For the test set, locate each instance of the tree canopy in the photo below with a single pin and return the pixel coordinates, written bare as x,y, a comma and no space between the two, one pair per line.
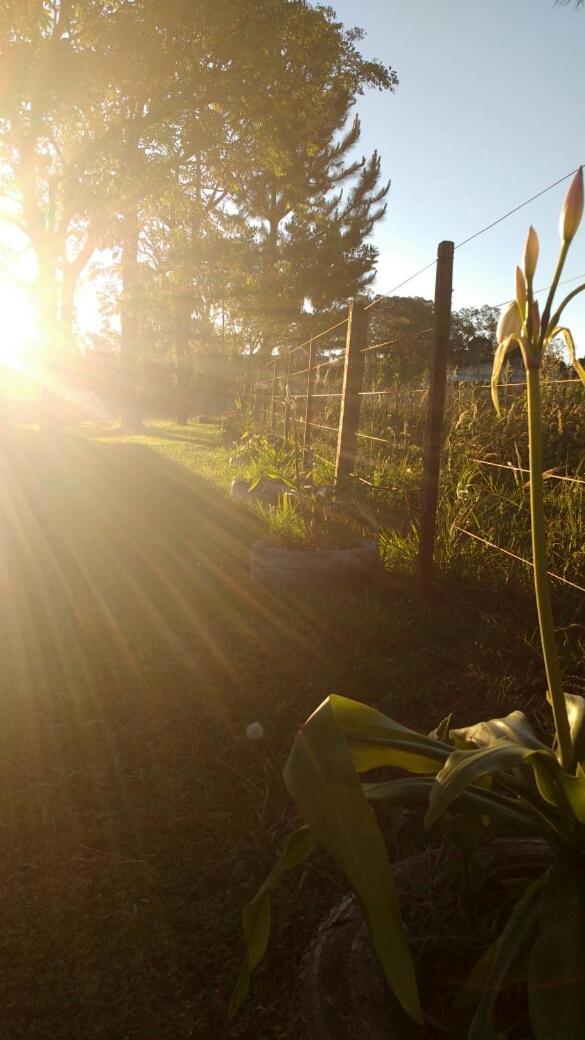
208,149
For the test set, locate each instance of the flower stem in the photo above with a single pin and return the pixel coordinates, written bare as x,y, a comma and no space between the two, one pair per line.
541,580
551,293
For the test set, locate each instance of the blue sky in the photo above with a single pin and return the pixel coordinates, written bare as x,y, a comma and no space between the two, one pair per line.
489,110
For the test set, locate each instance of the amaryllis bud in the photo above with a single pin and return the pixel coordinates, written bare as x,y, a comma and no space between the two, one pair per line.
521,290
510,323
572,210
530,255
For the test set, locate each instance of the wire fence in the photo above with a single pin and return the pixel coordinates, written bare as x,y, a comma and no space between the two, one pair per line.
343,396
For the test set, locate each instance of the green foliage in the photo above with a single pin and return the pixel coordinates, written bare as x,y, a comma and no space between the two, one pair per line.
509,772
544,800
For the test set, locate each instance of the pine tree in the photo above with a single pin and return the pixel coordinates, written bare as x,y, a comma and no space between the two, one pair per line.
311,206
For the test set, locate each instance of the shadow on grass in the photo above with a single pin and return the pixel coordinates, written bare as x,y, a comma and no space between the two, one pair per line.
137,817
135,649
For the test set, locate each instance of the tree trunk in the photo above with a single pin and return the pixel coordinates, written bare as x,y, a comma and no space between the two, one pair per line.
130,417
183,360
67,312
51,360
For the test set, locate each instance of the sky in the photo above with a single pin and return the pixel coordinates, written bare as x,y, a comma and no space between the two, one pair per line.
490,109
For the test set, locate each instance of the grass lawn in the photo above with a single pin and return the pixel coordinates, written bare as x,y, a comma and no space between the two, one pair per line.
136,816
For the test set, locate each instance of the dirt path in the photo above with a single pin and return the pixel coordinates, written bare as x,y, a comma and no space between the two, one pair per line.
136,816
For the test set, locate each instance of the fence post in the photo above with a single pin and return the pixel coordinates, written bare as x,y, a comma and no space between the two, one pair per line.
434,426
256,400
286,398
273,395
353,371
309,403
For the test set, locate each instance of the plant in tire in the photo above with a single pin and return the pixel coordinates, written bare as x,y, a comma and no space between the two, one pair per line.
497,770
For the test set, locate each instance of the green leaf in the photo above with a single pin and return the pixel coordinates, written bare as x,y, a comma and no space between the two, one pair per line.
256,916
514,938
377,740
467,767
413,792
321,777
570,344
556,984
443,730
514,727
271,476
576,713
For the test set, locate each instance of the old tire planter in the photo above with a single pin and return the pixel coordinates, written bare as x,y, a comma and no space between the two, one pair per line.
342,994
273,565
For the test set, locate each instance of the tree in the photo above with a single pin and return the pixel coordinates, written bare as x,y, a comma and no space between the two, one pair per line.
473,335
66,130
310,206
404,324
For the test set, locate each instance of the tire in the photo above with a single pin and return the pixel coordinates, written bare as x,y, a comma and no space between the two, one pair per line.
341,993
272,565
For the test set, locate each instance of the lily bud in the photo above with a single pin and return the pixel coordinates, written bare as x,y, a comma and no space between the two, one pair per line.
510,323
572,210
521,293
530,255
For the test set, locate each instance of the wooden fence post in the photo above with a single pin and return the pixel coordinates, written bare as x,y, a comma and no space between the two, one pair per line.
286,398
309,403
434,426
273,395
256,403
353,372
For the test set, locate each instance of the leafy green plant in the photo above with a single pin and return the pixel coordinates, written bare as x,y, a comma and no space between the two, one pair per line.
322,517
498,770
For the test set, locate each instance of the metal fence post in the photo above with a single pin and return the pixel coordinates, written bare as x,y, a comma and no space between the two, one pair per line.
434,424
353,372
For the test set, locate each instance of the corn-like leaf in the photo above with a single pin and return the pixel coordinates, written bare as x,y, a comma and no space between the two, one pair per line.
277,477
576,713
467,767
443,730
321,777
377,740
256,916
514,727
570,345
556,982
515,937
555,786
413,792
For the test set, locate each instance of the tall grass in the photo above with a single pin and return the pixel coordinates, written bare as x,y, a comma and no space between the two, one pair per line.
490,502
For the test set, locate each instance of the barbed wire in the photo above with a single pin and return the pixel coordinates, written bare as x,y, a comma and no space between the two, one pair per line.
476,234
511,468
515,556
427,267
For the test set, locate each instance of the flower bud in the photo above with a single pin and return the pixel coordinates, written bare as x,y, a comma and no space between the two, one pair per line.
521,293
510,323
530,255
572,210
